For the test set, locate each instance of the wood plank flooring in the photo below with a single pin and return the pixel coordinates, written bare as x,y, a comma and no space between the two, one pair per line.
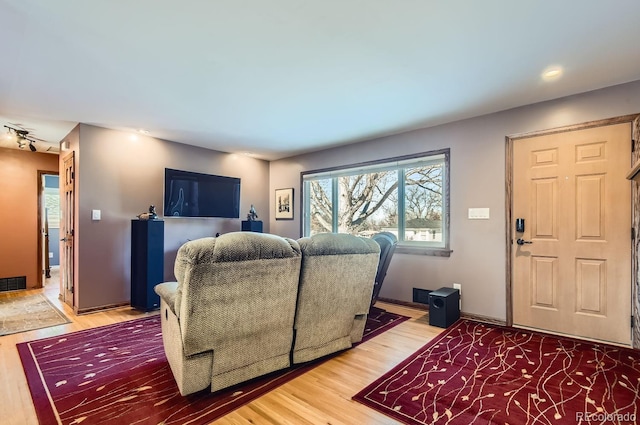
321,396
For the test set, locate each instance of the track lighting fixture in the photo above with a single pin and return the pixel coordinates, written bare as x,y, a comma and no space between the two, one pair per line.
21,137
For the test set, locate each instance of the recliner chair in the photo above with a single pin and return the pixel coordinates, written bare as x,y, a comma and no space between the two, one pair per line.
336,282
387,242
230,315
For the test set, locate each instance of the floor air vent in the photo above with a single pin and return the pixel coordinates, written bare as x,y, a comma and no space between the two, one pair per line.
13,283
421,296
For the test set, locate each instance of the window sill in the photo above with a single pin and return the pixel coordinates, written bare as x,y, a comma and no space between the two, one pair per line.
423,250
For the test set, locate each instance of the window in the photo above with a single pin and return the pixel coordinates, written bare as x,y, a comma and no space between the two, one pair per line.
407,196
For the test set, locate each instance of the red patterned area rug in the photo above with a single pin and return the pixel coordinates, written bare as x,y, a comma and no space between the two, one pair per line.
119,374
475,373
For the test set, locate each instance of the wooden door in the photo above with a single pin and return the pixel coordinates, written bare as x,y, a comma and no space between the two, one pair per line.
572,268
67,276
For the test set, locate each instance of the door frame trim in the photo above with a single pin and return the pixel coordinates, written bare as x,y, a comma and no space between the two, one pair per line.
509,142
64,293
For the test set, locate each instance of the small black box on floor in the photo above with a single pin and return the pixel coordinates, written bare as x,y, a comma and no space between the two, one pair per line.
252,226
444,307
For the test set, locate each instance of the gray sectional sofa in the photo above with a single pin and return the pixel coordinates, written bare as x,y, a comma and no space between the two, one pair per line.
246,304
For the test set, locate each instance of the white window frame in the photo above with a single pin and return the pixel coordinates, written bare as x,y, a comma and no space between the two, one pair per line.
399,164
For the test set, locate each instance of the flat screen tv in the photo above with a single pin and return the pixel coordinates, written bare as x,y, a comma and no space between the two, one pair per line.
188,194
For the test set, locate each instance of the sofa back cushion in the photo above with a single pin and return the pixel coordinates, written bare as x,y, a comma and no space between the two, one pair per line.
238,286
336,282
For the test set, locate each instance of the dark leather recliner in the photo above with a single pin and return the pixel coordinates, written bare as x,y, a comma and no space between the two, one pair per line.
387,242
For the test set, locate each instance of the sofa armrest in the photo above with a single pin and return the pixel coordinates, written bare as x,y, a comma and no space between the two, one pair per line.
168,291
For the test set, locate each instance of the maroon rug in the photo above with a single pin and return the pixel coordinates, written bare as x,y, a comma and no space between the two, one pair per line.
119,374
475,373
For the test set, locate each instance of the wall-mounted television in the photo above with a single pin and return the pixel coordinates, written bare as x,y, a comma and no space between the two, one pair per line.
189,194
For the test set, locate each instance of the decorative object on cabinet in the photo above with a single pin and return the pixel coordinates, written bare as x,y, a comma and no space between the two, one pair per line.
151,215
253,215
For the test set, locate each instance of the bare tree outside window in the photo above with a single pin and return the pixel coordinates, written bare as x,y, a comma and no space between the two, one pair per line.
320,206
423,203
362,201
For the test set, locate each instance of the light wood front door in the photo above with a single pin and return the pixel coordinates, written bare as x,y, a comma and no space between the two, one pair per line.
572,268
67,280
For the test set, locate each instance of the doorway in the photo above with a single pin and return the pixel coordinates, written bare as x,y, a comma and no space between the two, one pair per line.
48,225
569,260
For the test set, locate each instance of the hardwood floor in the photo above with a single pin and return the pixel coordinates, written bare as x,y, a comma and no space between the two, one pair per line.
321,396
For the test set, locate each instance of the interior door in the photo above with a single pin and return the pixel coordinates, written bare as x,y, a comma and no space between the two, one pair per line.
572,261
68,212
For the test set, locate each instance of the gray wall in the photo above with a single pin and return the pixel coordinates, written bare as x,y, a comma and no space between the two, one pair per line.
477,147
122,177
54,246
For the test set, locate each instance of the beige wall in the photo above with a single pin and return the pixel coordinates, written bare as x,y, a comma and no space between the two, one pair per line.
121,177
477,180
19,211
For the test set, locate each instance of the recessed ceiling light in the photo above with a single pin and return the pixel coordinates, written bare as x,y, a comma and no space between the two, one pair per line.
143,131
552,73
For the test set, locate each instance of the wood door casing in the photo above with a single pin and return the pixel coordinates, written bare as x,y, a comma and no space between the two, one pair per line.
67,276
635,212
575,277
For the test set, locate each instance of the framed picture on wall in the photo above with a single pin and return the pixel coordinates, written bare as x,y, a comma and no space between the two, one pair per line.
284,204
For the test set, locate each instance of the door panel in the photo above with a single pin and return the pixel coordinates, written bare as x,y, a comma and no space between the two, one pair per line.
590,207
544,282
575,276
591,286
545,200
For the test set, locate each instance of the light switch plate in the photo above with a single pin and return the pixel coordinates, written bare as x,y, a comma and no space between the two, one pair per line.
478,213
95,215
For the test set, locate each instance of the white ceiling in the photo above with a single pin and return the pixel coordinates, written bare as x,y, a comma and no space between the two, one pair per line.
282,77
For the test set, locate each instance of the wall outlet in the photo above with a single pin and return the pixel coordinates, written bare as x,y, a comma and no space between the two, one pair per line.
459,288
51,255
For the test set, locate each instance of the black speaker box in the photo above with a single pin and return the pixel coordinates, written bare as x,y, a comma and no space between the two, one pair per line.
147,262
444,307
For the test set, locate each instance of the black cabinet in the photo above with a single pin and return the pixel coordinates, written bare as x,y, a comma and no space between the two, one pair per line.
147,262
252,226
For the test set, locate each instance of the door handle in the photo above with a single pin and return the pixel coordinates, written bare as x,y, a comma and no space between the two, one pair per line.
521,241
63,240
